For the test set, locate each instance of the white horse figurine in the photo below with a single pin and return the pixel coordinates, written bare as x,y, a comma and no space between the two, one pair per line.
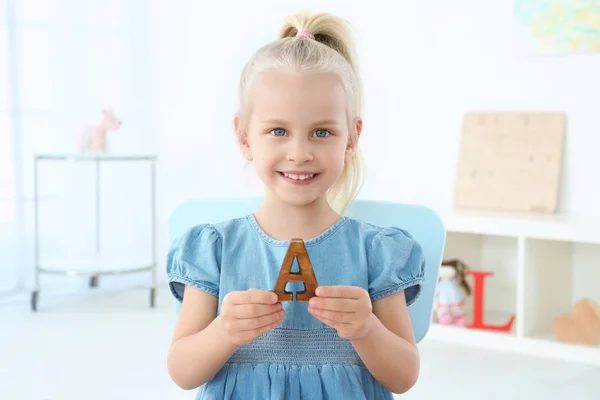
93,139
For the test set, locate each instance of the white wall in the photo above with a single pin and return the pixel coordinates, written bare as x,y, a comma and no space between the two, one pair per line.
424,64
66,60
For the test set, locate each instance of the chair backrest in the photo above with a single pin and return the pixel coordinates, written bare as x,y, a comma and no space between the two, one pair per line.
422,222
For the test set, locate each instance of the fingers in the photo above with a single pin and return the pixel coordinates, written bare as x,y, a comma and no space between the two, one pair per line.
339,326
348,292
243,311
266,328
346,328
330,322
345,331
244,331
333,304
251,324
248,314
334,316
254,296
247,337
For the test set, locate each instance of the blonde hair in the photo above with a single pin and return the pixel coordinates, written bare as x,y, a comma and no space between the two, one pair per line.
329,49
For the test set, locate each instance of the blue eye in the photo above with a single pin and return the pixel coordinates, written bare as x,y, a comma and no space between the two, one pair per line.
278,132
321,133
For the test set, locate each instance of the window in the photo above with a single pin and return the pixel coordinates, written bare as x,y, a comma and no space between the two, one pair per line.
7,173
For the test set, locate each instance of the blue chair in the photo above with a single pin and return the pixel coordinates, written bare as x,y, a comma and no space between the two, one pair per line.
422,222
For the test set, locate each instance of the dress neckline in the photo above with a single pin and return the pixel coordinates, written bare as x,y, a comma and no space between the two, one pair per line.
310,242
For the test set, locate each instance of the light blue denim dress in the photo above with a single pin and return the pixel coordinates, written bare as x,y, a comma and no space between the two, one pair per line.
302,358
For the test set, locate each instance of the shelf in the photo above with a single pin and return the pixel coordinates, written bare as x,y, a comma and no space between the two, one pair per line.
79,265
558,227
558,275
103,261
95,157
541,346
496,318
495,254
541,265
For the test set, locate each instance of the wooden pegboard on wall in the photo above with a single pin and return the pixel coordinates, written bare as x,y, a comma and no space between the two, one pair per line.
510,161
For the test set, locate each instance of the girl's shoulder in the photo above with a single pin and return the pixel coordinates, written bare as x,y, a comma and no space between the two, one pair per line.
395,260
370,233
385,241
203,233
194,257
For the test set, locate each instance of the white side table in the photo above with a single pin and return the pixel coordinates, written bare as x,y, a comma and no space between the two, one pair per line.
99,265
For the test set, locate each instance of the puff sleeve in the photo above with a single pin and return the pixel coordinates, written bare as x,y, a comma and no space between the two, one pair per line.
396,262
194,259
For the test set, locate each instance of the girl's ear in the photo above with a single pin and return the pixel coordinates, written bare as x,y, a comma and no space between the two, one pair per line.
358,125
241,137
350,149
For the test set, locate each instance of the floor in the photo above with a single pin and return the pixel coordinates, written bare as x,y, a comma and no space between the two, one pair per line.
111,345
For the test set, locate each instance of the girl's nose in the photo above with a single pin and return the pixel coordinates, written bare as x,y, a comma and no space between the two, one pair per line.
299,154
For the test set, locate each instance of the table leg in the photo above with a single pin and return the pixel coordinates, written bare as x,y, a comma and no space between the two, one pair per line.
94,278
153,219
36,249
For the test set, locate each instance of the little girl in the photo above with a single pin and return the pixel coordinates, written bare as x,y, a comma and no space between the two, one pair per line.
299,121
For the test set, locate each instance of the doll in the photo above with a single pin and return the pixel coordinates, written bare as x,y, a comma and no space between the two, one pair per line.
450,292
93,139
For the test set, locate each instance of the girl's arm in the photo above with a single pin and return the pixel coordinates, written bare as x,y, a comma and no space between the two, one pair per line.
389,349
203,341
199,348
380,332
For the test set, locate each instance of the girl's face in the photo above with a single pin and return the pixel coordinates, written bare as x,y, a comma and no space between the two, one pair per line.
297,134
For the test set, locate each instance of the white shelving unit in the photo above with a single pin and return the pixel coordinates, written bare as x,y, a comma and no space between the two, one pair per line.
97,264
542,264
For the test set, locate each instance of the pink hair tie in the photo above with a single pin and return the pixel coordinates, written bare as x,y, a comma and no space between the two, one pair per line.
305,33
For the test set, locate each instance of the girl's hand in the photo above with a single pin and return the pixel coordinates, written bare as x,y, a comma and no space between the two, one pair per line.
248,314
348,309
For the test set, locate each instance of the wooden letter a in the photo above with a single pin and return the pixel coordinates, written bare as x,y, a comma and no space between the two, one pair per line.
306,274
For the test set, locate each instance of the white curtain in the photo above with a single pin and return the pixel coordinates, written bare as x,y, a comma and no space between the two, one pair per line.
61,61
9,212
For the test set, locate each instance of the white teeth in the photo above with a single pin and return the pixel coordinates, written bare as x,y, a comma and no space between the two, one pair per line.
298,177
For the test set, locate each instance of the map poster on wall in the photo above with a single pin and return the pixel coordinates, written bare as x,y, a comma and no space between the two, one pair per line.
558,26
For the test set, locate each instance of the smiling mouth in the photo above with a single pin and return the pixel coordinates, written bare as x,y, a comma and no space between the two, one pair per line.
299,177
